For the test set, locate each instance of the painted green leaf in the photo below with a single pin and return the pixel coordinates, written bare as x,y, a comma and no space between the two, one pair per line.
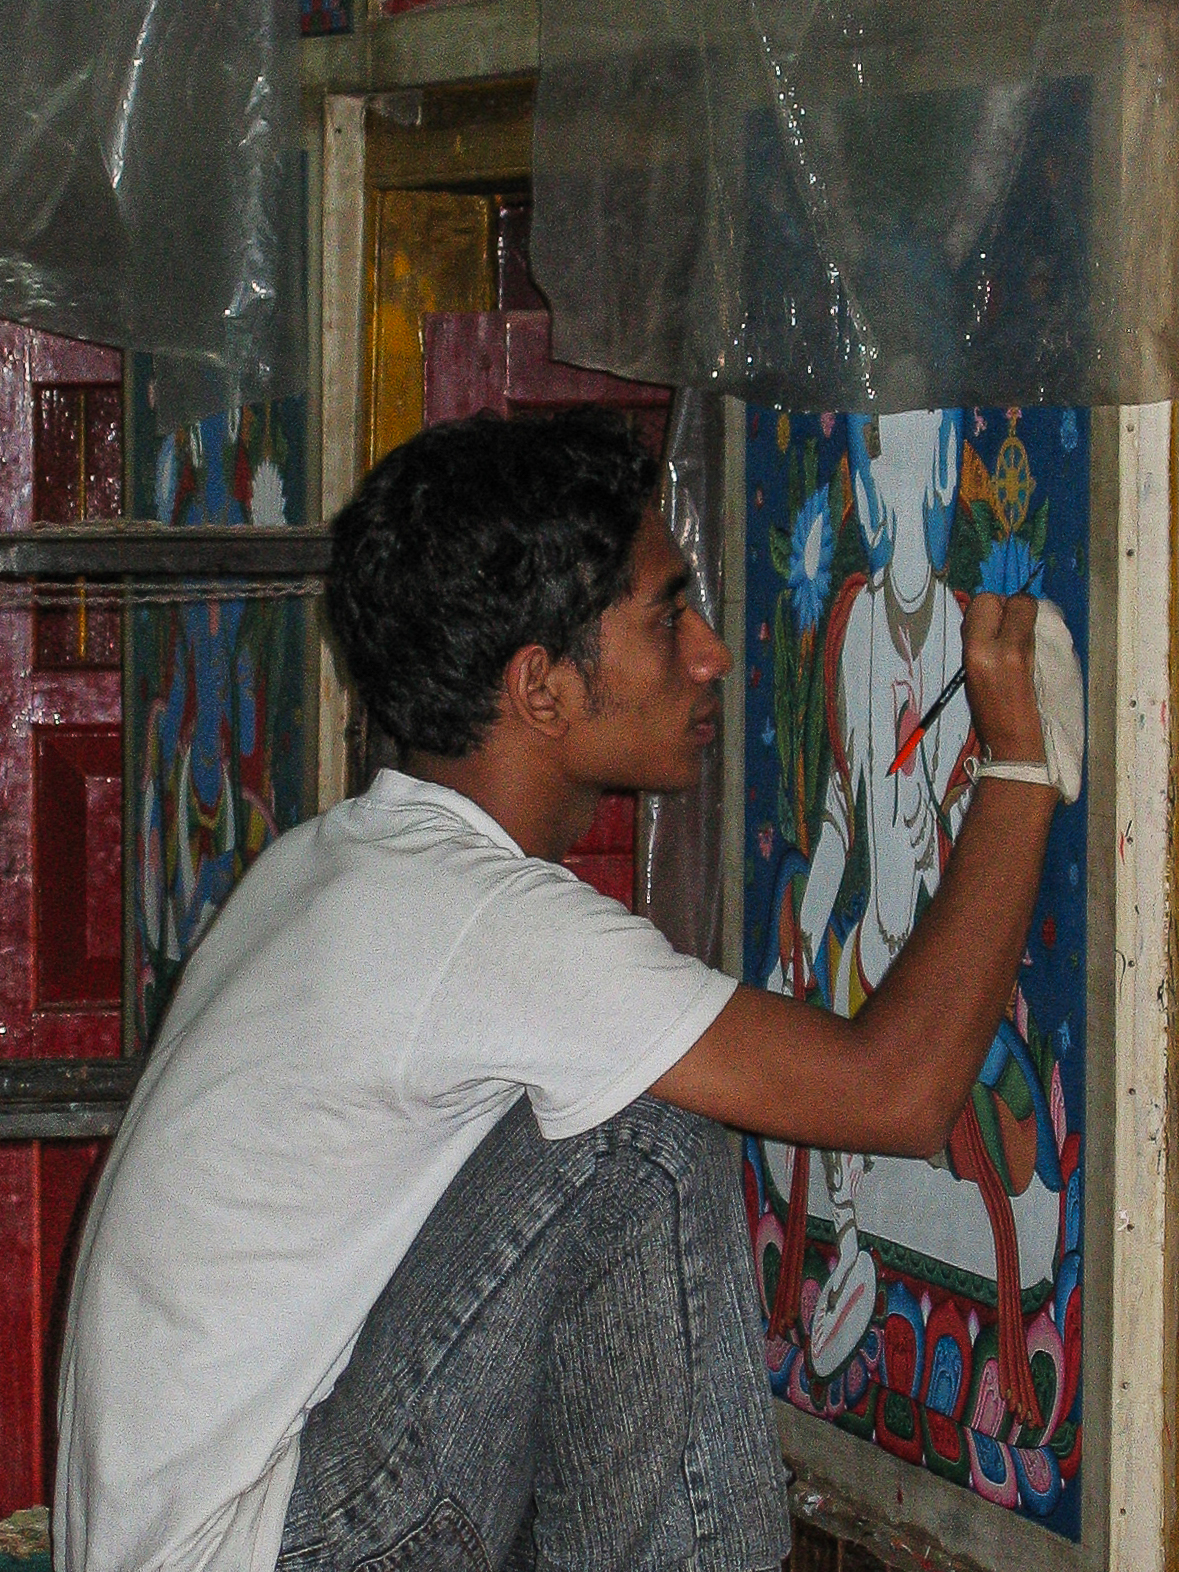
780,551
968,547
785,812
1040,1049
1064,1438
1013,1089
850,556
1038,532
816,748
810,465
793,485
987,524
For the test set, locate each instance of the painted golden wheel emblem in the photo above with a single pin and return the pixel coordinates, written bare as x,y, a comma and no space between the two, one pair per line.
1013,480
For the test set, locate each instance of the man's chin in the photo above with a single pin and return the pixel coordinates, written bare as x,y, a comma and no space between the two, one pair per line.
670,784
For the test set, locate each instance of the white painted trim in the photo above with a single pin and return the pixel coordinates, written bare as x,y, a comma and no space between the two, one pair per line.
1138,1457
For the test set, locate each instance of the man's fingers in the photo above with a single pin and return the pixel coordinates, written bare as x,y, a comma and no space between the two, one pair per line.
998,649
983,617
1008,619
1019,620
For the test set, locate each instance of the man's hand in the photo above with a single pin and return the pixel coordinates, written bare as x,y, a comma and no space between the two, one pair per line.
998,651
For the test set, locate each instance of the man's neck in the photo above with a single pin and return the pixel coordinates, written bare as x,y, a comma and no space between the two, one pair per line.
542,812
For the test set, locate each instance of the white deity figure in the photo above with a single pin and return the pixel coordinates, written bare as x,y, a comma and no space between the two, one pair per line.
902,643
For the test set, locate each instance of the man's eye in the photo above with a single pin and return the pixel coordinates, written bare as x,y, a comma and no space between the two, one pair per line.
674,613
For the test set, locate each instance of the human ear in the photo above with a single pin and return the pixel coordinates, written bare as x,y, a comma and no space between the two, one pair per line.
535,691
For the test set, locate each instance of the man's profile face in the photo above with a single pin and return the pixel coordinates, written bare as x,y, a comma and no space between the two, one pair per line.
650,706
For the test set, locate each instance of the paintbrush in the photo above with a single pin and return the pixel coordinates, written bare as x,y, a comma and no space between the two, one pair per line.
913,740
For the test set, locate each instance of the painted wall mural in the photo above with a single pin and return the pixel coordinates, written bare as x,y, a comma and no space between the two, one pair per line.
932,1309
217,713
320,17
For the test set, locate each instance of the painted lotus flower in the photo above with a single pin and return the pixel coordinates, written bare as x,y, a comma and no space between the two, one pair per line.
1008,567
812,547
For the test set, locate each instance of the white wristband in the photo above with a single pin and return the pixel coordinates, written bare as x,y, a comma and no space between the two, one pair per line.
1007,770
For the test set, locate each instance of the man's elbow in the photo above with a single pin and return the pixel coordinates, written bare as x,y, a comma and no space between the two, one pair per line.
934,1135
920,1123
913,1107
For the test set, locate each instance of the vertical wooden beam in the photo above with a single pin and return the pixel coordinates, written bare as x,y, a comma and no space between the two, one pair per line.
1141,1450
1140,237
1171,1237
342,302
733,630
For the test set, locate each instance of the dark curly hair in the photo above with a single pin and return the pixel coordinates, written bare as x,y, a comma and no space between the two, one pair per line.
472,540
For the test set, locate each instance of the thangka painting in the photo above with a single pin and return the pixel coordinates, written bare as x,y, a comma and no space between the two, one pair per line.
218,687
931,1308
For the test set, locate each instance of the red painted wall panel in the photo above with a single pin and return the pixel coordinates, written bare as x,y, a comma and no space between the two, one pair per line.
78,891
59,471
500,360
21,1478
605,855
104,452
60,879
515,290
77,453
77,635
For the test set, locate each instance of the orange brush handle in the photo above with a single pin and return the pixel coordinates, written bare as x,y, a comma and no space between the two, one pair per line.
907,749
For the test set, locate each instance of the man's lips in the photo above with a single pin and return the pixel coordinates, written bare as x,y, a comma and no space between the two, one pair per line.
704,722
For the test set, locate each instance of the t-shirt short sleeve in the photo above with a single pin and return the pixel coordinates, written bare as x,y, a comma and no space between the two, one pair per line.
563,991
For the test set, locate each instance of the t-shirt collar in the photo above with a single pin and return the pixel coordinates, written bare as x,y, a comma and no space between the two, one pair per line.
393,789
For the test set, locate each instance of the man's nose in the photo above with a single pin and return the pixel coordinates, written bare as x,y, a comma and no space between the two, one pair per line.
708,656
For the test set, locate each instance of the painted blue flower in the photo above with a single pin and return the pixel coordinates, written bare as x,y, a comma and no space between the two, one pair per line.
812,547
1009,566
768,734
1069,435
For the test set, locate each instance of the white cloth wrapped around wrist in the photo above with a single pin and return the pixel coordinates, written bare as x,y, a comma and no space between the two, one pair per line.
1060,699
1007,770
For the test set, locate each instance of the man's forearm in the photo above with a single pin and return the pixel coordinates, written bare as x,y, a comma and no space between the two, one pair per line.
929,1025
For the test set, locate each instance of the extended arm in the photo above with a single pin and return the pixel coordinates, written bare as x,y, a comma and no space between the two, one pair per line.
894,1078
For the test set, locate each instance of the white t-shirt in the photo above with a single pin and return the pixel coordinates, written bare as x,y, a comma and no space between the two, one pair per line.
372,999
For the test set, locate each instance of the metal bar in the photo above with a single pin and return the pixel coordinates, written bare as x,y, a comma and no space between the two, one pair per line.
48,1084
69,1121
135,549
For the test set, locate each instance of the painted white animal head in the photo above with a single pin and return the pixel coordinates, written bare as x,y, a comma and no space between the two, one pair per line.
905,470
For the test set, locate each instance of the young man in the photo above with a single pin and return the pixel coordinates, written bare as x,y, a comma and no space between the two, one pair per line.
340,1303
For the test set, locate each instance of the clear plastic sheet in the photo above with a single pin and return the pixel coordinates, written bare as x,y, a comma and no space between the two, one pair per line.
679,837
150,189
863,204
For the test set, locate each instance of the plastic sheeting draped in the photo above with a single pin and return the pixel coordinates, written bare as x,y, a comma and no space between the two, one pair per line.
149,194
858,204
677,880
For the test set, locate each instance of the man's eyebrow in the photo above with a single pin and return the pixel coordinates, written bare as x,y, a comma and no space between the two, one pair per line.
672,587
